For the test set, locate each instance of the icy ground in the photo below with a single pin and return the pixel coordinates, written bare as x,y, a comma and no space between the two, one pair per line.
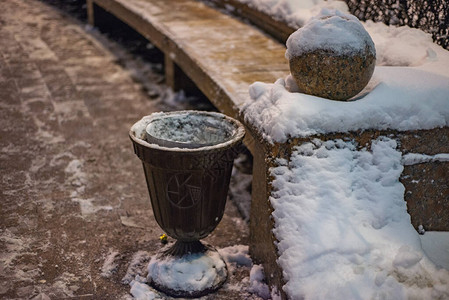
75,217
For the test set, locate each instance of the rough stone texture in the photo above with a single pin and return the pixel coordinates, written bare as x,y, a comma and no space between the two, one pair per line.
427,194
72,193
325,74
427,184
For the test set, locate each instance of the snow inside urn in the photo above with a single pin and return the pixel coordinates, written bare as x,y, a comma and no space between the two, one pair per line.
332,56
189,130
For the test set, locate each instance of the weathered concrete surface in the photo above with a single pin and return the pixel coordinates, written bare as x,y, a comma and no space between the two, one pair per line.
74,205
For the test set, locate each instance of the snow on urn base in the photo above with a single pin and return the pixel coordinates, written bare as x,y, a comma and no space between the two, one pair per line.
332,56
192,274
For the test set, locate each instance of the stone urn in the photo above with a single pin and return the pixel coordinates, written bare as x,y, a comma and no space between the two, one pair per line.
187,158
331,56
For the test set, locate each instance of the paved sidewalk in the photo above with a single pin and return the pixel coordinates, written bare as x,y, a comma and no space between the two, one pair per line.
74,208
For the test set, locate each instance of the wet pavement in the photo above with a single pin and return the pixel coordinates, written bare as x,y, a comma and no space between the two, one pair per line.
75,217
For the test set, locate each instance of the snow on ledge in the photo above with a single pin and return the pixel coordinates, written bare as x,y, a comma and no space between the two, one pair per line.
399,98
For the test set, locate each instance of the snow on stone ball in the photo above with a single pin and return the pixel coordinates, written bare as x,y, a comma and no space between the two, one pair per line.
332,56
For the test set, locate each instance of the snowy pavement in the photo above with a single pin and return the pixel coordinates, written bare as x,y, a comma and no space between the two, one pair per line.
75,217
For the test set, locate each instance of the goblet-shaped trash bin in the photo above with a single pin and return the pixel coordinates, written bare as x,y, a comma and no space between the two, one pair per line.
187,158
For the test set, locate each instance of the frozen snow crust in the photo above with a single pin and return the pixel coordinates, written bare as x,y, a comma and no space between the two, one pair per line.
191,128
341,219
333,30
178,130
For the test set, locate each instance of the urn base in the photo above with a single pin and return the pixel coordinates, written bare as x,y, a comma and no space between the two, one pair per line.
180,272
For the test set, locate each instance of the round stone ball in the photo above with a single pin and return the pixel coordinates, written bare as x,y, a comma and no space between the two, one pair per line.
332,56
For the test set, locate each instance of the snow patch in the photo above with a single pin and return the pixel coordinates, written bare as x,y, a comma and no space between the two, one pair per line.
136,266
110,264
142,291
421,101
401,46
190,273
88,208
191,129
340,218
78,179
436,246
234,130
257,284
275,294
237,254
238,261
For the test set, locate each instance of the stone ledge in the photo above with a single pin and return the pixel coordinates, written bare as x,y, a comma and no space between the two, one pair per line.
426,186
